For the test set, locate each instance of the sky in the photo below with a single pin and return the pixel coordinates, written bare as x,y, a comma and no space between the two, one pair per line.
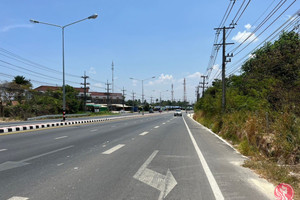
168,39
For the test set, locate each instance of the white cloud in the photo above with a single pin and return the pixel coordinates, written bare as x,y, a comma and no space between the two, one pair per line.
10,27
92,70
98,85
162,79
216,67
252,55
241,36
195,75
248,26
134,82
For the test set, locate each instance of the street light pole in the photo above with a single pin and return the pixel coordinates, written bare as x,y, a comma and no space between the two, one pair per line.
143,97
63,63
142,90
63,52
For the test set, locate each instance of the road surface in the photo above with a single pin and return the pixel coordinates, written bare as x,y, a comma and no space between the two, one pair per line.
150,157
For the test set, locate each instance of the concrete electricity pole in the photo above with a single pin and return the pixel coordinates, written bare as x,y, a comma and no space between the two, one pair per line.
224,64
107,95
112,78
85,89
123,97
133,101
203,84
172,93
197,92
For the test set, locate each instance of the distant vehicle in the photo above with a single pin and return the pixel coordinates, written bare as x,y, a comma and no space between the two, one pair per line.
122,111
151,111
177,112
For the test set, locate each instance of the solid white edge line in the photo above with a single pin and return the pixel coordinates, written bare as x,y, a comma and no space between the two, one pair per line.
211,179
115,148
61,137
144,133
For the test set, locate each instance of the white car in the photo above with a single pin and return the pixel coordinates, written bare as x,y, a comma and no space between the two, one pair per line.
177,112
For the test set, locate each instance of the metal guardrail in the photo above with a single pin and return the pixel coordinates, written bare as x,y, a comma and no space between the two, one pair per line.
55,116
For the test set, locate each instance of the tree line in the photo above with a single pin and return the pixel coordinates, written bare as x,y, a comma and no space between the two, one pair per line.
20,101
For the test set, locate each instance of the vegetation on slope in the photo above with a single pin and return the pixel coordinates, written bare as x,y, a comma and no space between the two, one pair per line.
262,116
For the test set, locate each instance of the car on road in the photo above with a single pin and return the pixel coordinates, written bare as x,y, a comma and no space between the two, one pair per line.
177,112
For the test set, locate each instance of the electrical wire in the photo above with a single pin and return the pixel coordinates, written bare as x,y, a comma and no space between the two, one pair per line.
266,28
277,31
278,6
34,64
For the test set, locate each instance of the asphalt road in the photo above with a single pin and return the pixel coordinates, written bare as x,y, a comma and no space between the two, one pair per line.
151,157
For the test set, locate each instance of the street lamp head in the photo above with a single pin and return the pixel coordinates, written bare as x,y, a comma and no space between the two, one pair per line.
34,21
94,16
153,76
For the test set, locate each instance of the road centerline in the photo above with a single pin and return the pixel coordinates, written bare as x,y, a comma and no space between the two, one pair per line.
211,179
58,138
115,148
144,133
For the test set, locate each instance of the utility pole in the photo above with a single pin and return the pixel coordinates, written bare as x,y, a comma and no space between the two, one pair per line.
85,89
203,84
224,64
123,97
112,76
133,101
107,95
151,100
172,92
197,92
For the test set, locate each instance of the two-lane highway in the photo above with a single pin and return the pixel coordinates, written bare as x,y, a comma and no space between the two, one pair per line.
150,157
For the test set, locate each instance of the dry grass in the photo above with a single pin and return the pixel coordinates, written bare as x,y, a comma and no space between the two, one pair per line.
267,142
276,174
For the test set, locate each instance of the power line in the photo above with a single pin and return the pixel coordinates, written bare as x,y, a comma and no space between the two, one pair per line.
33,64
267,27
37,73
278,30
277,7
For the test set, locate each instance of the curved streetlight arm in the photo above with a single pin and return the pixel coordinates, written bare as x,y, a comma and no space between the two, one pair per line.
90,17
38,22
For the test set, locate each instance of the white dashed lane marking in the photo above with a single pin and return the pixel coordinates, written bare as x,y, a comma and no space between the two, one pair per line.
156,127
58,138
94,130
18,198
115,148
3,150
144,133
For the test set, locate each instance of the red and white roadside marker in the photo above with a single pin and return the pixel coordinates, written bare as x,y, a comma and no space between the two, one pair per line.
284,191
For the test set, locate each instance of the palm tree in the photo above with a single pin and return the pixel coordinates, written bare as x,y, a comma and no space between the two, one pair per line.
21,80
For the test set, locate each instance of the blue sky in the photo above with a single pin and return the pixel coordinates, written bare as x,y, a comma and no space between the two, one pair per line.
169,39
